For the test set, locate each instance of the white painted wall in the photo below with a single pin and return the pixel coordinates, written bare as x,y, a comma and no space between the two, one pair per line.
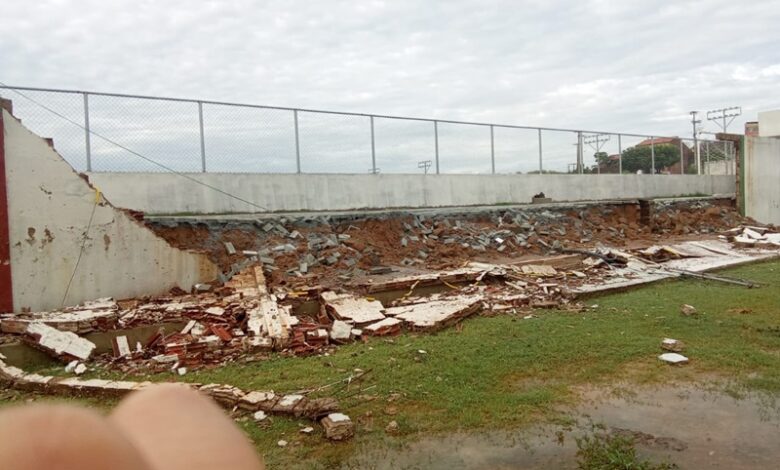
762,179
49,209
769,123
157,193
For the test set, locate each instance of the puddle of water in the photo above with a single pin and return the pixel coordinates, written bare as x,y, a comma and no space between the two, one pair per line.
27,357
691,427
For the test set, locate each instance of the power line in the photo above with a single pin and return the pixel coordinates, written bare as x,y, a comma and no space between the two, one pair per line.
721,116
133,152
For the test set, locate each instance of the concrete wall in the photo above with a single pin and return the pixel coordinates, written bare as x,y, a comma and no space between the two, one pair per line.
762,179
156,193
49,210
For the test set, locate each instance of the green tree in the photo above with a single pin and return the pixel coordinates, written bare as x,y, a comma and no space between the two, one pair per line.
640,157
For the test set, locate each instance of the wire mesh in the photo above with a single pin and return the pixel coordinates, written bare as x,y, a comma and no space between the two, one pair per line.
636,155
334,143
404,146
164,131
245,139
241,139
559,151
464,148
69,139
516,150
600,153
718,157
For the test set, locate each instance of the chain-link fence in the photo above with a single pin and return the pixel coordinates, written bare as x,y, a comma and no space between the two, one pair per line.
104,132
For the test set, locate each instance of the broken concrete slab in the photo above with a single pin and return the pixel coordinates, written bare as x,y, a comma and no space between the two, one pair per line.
387,327
538,270
59,343
673,358
437,313
352,309
340,331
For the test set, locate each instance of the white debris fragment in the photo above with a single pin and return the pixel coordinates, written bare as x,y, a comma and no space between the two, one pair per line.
259,415
282,443
338,417
307,430
688,310
121,346
60,342
353,309
188,327
673,358
752,234
80,369
181,370
340,331
71,366
673,345
338,427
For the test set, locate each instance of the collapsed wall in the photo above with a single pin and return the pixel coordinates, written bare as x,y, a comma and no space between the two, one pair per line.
58,226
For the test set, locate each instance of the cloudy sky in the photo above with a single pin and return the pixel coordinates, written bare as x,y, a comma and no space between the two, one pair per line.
631,66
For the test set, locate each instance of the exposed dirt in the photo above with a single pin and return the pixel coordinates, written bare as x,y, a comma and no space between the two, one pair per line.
334,251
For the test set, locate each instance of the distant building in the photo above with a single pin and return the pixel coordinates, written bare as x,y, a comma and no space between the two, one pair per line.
689,157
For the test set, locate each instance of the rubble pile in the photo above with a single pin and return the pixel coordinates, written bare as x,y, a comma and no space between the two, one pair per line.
334,250
230,397
249,316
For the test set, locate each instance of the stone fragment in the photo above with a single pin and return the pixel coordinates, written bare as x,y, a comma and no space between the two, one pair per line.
392,427
340,331
673,358
338,427
673,345
688,310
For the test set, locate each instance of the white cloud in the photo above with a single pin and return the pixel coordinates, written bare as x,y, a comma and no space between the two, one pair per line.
632,66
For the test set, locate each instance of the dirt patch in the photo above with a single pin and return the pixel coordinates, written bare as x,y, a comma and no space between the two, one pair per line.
329,251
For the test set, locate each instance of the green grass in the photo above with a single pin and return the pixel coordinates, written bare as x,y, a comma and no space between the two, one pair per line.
600,452
504,372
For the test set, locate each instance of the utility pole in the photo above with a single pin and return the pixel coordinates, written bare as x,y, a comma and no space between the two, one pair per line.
724,116
694,122
596,141
424,164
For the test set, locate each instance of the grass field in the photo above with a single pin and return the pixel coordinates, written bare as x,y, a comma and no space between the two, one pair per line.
504,371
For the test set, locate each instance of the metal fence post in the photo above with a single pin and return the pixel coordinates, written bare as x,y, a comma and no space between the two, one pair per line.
86,132
492,152
541,168
202,138
297,143
620,154
682,159
436,139
373,148
652,155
